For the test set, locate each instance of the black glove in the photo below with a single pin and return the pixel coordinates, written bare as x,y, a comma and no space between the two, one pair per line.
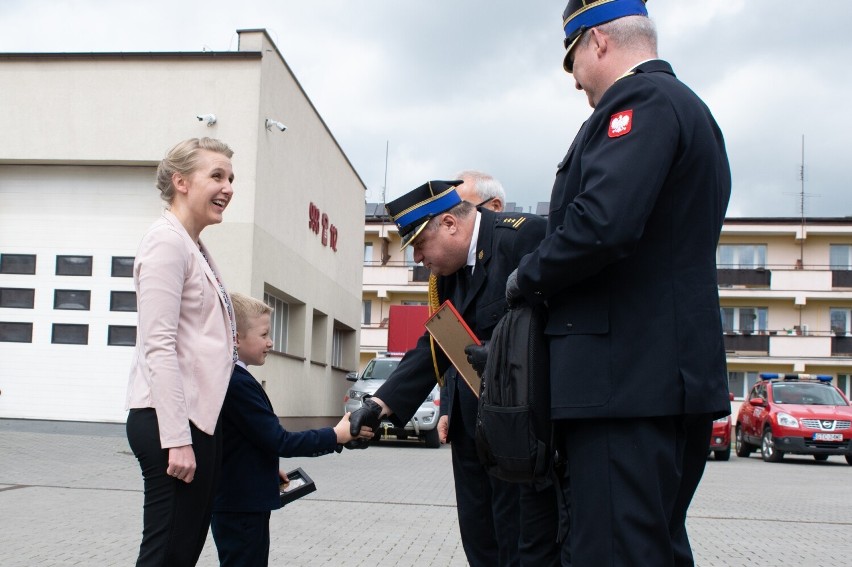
369,414
477,356
513,292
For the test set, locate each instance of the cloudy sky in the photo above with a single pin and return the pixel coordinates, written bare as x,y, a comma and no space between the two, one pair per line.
454,84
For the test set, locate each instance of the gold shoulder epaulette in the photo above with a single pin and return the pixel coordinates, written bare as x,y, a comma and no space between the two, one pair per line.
514,222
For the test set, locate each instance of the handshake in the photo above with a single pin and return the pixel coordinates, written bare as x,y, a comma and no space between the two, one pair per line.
368,415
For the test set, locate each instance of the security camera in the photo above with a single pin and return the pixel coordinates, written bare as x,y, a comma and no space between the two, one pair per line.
270,123
209,118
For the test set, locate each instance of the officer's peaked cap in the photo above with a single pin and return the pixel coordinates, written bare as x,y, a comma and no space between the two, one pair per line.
581,15
412,212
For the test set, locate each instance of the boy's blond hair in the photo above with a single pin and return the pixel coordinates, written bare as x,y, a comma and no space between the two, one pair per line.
247,308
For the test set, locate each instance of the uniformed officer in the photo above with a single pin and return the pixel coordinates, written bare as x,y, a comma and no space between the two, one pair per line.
471,251
628,274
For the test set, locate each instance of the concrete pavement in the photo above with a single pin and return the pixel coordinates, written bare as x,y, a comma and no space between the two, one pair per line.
71,494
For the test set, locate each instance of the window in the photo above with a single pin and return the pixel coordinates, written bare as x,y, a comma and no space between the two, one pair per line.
368,253
337,348
739,383
279,319
73,265
16,332
122,266
741,256
72,299
122,301
744,320
366,312
70,334
118,335
410,302
840,256
840,318
17,264
17,298
844,381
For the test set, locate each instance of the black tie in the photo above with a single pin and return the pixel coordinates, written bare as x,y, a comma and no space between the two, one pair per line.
464,278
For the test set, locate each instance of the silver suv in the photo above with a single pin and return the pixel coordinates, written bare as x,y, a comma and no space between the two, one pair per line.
423,425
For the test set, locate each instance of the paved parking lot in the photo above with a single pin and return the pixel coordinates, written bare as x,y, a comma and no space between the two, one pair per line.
70,494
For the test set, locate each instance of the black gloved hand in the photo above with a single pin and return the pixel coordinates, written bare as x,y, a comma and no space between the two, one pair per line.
477,356
357,444
369,415
513,292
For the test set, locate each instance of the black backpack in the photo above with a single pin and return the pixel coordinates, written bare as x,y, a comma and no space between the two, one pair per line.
514,436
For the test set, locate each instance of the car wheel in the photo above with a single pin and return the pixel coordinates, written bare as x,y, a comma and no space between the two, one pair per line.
743,449
820,457
402,435
767,447
432,439
723,455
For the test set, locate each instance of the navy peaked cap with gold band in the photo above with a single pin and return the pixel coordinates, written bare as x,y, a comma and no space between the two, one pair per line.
581,15
415,209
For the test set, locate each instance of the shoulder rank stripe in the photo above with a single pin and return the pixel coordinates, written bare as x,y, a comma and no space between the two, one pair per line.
516,222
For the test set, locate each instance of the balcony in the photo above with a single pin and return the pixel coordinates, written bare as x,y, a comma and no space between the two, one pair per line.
798,342
751,277
841,278
841,345
747,343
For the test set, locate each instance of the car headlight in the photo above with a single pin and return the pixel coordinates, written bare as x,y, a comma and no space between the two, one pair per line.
722,419
787,420
356,395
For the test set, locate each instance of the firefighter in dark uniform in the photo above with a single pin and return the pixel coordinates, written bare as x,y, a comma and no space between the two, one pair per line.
628,274
471,251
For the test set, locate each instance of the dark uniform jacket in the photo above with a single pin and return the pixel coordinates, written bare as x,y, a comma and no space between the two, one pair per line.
628,266
253,439
503,239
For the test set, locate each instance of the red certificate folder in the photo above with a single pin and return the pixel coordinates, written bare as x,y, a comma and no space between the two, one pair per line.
452,334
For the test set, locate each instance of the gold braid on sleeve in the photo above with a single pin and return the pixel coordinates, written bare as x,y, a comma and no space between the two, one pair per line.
434,304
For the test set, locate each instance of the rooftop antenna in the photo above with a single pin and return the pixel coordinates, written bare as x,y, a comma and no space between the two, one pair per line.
385,186
802,206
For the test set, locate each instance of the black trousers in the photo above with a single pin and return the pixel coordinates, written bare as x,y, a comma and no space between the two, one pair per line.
488,508
631,484
543,512
176,515
242,538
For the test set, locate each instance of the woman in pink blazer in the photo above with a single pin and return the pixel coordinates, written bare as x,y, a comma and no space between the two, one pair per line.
184,355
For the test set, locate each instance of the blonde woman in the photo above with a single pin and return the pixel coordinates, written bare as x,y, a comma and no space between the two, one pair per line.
185,352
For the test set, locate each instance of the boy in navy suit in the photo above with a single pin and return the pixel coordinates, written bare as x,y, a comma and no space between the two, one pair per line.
253,439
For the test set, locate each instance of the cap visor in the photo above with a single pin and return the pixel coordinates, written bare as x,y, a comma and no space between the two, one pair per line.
569,68
409,238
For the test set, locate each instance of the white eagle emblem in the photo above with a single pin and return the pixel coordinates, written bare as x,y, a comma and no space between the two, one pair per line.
619,123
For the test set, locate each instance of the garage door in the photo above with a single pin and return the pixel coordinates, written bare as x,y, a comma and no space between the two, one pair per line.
68,235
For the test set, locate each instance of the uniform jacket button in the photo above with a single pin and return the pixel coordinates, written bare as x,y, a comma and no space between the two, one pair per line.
569,325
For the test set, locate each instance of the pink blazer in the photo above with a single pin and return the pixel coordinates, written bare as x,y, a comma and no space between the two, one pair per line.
184,345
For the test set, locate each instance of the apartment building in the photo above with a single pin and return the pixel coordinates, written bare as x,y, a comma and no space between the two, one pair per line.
785,289
785,286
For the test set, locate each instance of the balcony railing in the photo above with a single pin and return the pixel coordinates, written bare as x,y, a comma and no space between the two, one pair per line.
841,346
841,278
747,277
747,342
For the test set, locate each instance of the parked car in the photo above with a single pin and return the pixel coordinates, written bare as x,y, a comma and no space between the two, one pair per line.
720,439
423,425
796,414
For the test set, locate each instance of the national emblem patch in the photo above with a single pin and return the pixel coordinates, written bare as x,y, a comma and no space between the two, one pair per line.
620,123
